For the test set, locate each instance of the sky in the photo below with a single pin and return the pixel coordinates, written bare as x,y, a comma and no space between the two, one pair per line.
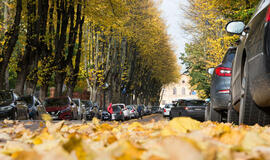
172,14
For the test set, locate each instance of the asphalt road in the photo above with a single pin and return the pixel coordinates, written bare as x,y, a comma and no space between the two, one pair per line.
36,124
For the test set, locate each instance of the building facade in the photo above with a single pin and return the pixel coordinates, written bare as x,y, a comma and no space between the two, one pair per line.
175,91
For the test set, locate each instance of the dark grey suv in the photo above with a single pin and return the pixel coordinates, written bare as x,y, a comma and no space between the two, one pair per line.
220,88
250,85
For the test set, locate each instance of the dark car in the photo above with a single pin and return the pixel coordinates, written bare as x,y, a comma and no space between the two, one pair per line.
88,109
61,108
12,107
193,108
220,88
250,85
35,107
105,115
155,109
117,115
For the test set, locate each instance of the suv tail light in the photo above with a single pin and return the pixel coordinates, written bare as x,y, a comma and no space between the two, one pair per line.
225,91
223,71
186,108
164,110
267,18
120,112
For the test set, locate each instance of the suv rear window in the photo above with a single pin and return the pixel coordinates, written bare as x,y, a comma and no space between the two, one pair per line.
116,108
229,55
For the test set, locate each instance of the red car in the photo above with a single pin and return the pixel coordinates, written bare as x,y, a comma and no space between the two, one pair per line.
61,108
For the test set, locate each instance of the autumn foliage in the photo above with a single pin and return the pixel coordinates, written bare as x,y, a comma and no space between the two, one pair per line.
117,46
180,138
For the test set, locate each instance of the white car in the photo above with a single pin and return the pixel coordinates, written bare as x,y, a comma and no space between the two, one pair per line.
124,110
132,111
167,110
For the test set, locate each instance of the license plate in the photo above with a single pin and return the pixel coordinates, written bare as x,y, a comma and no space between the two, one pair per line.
54,117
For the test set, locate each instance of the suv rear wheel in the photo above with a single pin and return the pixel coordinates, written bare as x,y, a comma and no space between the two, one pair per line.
232,116
214,115
250,113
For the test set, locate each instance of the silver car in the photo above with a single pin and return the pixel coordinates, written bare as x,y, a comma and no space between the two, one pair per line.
132,111
167,110
81,108
124,110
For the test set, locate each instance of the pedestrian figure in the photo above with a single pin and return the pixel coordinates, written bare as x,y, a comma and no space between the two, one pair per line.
140,108
110,110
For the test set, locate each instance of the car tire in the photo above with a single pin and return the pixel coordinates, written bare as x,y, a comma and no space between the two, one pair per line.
250,113
232,116
214,115
207,113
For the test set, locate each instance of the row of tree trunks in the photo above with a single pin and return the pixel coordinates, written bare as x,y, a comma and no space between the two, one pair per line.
11,38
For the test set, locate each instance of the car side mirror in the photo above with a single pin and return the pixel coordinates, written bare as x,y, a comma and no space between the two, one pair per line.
235,27
72,103
210,70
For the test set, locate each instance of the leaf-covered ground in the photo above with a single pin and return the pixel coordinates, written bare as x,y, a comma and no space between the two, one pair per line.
180,138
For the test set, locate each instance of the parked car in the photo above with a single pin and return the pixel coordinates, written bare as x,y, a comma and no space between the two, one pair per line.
88,109
132,111
193,108
81,108
124,110
167,109
155,109
220,88
105,115
250,85
147,110
61,108
117,113
12,107
35,107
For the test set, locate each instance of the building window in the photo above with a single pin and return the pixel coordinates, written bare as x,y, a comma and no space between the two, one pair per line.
174,91
183,82
183,91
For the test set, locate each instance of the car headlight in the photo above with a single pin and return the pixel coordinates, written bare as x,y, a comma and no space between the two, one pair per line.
6,108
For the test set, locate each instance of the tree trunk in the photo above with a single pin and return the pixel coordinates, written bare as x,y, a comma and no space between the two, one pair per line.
10,42
43,92
28,59
63,15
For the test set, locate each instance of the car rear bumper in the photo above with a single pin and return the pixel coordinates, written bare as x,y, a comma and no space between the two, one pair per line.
221,101
194,114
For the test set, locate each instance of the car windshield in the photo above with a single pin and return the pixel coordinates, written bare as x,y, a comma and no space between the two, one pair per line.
76,101
56,102
116,108
5,96
121,106
129,107
27,99
168,106
87,104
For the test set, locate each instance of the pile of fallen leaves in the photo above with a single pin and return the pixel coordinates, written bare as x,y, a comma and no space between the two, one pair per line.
180,138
